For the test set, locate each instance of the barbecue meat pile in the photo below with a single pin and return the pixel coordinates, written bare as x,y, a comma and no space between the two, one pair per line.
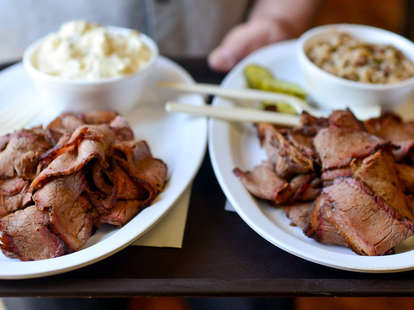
58,184
343,181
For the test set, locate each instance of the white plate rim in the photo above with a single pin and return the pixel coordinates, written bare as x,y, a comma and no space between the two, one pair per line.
246,207
104,249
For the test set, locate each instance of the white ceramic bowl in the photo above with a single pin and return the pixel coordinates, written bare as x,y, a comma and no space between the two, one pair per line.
334,92
119,93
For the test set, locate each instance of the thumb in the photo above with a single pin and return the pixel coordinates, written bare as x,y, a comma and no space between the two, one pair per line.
242,40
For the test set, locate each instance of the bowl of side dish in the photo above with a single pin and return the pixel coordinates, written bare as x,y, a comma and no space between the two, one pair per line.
85,66
355,66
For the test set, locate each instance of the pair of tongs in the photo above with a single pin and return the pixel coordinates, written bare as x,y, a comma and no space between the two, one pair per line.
241,114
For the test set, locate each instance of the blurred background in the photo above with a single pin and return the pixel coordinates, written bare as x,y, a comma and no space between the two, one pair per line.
197,28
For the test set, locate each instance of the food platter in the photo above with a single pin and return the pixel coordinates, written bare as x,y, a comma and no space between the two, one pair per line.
236,145
180,140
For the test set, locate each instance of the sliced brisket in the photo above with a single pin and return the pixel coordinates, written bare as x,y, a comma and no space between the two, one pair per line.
64,124
310,125
87,143
319,228
379,173
25,234
367,199
328,176
338,146
67,123
304,187
370,226
110,186
123,211
121,129
263,183
84,170
21,153
390,127
117,123
126,188
287,158
406,174
302,142
9,204
14,195
69,211
299,214
136,159
344,119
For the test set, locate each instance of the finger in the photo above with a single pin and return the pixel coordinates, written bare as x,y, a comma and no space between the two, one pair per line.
241,41
225,56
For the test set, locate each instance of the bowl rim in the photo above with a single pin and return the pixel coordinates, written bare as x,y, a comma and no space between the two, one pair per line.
306,36
28,53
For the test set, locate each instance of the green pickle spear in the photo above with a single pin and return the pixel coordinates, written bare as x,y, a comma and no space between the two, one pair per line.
258,77
255,74
281,107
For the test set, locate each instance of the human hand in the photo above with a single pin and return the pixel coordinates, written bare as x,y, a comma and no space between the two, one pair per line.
246,38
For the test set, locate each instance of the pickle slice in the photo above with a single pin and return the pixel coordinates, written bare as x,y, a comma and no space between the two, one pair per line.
281,107
255,74
258,77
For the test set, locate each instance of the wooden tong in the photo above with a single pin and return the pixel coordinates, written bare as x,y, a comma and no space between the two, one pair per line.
250,115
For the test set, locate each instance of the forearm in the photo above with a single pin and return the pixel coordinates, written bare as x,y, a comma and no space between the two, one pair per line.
294,15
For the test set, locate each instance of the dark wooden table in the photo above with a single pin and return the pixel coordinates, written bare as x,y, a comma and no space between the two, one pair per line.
221,256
